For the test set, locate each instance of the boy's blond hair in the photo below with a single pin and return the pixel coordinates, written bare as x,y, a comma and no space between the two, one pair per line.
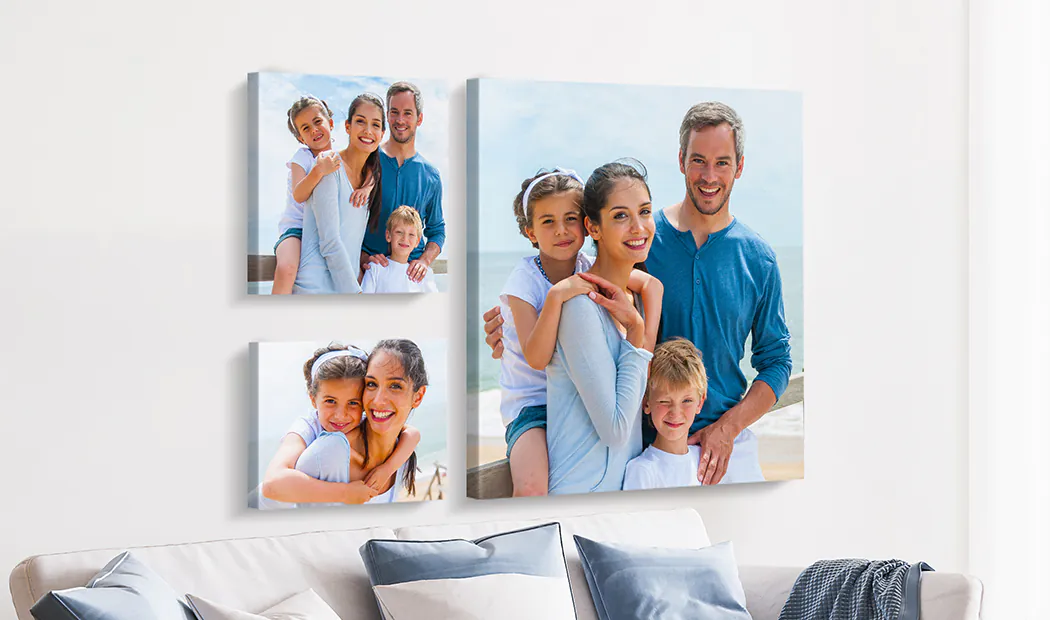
405,215
677,363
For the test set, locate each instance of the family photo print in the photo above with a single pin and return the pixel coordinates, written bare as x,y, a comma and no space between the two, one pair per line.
634,287
346,184
352,421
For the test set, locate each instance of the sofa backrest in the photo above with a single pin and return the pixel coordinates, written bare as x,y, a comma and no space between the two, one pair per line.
253,574
250,574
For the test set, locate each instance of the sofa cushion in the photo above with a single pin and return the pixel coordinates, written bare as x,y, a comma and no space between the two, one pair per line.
534,551
627,581
507,596
682,528
303,606
125,589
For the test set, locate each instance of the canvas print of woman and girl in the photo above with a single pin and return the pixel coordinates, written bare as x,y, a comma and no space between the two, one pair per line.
345,180
639,314
348,422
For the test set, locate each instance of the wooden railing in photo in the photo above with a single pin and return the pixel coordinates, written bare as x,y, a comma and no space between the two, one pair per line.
492,480
436,488
262,266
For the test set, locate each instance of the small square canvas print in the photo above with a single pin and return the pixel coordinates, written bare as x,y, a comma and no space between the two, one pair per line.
635,302
347,422
346,184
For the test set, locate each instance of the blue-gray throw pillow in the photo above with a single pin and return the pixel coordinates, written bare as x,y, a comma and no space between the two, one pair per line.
630,582
535,551
125,589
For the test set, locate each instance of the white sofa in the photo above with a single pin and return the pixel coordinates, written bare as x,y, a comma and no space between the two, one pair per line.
252,574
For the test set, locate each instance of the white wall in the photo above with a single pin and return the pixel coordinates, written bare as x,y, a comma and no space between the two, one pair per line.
1010,304
124,330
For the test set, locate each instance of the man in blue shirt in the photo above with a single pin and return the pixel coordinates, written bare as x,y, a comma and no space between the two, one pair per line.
721,283
407,179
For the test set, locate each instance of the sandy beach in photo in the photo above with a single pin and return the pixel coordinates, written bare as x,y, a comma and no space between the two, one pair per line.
432,480
780,438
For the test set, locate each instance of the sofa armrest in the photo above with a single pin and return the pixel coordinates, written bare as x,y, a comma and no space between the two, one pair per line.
947,596
767,589
943,596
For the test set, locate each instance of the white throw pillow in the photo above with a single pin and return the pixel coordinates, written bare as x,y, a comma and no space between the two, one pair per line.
303,606
505,596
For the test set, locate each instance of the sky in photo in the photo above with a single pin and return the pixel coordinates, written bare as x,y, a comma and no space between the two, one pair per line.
524,126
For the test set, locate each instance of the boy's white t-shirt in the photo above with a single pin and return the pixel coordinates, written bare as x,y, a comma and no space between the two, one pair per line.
521,385
394,279
656,469
292,217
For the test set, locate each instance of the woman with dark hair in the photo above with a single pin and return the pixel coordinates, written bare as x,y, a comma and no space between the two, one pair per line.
334,220
596,379
395,383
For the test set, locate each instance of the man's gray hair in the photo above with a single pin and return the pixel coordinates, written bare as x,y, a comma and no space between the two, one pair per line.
405,87
711,114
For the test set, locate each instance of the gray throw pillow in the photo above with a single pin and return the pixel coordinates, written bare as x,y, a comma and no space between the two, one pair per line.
535,551
629,582
125,589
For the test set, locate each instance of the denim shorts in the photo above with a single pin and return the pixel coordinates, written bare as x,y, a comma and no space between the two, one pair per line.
291,232
528,418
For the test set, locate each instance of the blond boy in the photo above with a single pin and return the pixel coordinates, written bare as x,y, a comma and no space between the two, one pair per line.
675,393
404,228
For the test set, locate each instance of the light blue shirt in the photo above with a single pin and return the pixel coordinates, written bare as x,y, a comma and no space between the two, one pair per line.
715,296
333,229
595,384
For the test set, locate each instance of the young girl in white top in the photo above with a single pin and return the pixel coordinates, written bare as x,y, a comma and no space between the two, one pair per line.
314,459
404,228
310,121
548,212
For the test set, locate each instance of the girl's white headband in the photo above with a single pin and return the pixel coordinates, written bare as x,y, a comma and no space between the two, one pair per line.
331,355
557,171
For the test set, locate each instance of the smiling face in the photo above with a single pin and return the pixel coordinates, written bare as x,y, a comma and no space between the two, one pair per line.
403,237
710,167
338,404
365,127
557,225
314,129
403,117
626,227
389,394
672,409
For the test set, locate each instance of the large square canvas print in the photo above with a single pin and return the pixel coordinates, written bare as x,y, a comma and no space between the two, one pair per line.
346,184
347,422
635,307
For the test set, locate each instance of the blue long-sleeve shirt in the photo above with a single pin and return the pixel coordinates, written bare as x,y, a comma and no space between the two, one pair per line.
595,384
715,296
416,183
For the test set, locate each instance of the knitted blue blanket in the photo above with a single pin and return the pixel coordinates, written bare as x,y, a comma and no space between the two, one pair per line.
856,590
